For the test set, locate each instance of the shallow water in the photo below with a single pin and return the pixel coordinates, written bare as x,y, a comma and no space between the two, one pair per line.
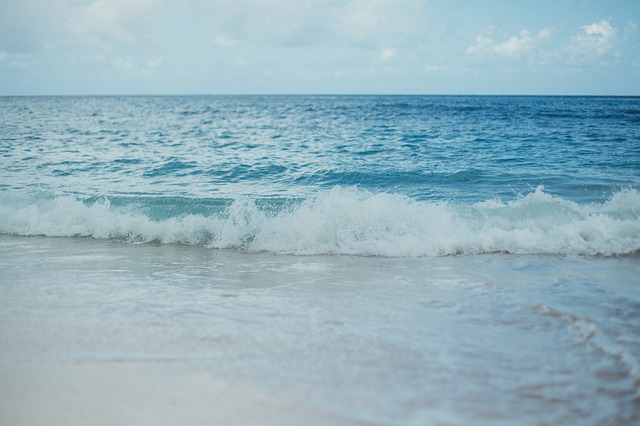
483,339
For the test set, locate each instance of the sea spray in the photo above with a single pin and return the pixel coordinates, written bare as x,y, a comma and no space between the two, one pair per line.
345,221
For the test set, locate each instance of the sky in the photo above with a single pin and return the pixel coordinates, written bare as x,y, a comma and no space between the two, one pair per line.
539,47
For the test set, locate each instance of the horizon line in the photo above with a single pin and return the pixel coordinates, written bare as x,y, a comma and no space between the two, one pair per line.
319,95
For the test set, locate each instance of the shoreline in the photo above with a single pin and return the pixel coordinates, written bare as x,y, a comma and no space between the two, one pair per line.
101,333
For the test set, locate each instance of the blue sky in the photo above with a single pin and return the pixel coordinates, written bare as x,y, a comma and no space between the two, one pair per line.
575,47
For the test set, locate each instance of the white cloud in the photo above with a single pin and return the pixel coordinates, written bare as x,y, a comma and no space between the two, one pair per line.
152,64
366,22
220,40
362,20
593,40
545,33
388,54
315,39
280,22
483,44
593,44
602,28
516,45
494,43
139,24
123,64
121,22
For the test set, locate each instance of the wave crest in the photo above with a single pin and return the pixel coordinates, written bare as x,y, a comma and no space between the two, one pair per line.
346,221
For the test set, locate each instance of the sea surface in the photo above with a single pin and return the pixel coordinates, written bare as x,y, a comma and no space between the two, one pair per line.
383,259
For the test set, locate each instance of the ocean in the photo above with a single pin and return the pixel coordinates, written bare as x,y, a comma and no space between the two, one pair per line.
379,260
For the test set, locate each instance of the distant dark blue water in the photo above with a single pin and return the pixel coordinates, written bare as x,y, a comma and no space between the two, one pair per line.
387,170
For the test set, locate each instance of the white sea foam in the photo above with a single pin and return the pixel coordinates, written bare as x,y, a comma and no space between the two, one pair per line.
355,222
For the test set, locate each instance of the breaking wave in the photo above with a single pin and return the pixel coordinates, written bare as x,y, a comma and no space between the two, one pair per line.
342,220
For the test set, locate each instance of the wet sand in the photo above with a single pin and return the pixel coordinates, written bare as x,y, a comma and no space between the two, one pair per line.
138,393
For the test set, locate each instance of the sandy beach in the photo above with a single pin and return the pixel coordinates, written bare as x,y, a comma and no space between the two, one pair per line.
102,333
139,393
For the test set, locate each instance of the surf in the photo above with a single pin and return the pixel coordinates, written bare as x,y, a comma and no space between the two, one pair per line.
340,221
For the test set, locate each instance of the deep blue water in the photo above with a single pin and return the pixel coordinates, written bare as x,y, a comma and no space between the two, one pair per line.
382,169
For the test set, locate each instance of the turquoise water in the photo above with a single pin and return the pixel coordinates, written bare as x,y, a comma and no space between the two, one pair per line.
391,176
385,259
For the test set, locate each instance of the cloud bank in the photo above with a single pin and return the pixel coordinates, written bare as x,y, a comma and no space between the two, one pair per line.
302,45
592,44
